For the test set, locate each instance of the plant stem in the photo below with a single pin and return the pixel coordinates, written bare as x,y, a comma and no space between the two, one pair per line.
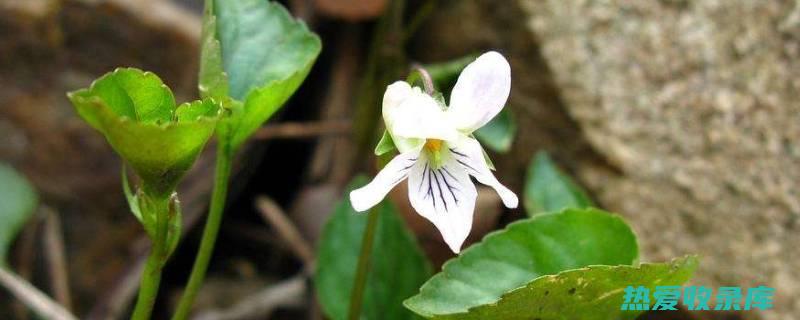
148,289
157,206
221,175
418,72
360,282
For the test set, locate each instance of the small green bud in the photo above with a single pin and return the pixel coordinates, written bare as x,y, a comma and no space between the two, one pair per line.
137,114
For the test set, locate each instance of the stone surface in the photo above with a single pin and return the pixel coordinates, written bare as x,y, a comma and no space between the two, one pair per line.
680,115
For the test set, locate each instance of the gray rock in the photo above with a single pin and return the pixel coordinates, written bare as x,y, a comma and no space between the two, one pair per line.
680,115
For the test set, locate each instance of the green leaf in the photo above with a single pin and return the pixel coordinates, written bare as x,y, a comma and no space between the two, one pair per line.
18,200
524,251
254,51
262,43
212,80
137,95
499,133
133,201
548,189
594,292
196,111
385,145
261,104
174,218
138,116
397,269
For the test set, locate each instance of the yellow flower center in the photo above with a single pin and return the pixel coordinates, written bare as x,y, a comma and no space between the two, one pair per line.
433,145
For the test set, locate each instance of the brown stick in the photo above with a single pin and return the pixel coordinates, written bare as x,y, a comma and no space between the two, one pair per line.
291,130
332,159
25,257
288,293
56,257
275,216
33,298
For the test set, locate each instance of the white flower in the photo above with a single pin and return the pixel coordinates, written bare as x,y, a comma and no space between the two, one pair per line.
437,153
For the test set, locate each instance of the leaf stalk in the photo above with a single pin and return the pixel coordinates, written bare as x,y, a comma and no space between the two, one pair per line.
158,207
362,270
221,177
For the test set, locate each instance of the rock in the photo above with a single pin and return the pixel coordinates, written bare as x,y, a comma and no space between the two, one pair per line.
680,115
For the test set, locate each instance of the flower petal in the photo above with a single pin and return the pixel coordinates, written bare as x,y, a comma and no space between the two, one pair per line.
481,91
410,113
396,93
469,154
393,173
445,196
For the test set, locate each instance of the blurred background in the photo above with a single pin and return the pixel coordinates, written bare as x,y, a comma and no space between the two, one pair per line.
680,115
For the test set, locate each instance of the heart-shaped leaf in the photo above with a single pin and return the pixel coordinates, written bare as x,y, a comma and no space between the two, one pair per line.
255,52
18,200
397,268
547,189
137,114
524,251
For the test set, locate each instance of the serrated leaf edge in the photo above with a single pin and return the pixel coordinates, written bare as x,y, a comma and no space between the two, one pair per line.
98,103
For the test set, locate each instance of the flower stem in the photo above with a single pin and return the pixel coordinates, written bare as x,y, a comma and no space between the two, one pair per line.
157,206
221,175
148,289
360,282
420,73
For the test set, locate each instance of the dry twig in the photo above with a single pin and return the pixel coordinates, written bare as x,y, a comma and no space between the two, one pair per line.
275,216
289,293
33,298
25,258
296,130
56,257
332,159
